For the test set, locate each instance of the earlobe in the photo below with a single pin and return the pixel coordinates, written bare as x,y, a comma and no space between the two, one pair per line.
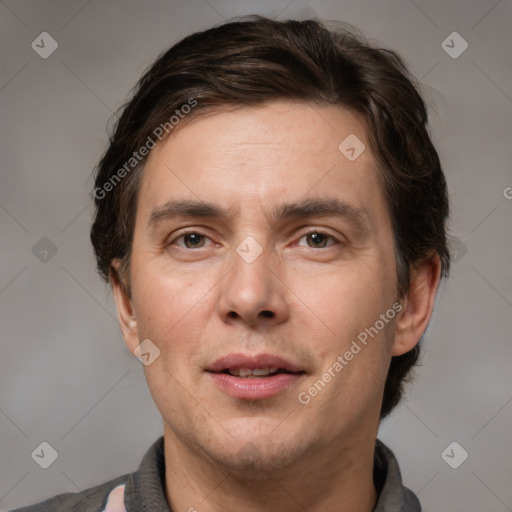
418,305
125,311
132,323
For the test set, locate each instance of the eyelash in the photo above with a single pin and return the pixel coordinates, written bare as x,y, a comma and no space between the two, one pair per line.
315,231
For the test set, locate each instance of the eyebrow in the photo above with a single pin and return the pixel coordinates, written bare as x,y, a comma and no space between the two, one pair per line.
306,208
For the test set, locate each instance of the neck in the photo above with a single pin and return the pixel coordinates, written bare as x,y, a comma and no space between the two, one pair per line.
331,479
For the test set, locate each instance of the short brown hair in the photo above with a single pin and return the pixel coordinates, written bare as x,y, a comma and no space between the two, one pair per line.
256,60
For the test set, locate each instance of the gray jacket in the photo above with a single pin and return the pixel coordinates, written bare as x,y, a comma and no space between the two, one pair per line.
143,490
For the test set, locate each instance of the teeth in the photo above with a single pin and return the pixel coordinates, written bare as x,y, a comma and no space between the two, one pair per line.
245,372
256,372
261,371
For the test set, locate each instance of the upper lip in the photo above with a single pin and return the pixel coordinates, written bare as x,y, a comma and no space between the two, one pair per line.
252,362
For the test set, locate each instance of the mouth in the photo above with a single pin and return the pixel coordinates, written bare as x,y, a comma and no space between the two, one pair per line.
254,377
247,373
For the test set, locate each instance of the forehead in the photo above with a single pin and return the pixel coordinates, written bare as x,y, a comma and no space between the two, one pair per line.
301,127
255,156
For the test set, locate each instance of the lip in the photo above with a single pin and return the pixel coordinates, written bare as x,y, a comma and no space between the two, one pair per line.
255,388
252,362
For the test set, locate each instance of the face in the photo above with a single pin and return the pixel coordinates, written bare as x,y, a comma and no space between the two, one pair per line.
288,265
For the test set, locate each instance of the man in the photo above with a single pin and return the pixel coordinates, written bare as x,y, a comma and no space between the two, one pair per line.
271,216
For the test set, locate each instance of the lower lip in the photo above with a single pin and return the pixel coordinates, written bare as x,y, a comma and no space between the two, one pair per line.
255,388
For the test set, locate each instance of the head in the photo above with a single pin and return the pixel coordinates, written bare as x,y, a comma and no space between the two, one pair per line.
250,116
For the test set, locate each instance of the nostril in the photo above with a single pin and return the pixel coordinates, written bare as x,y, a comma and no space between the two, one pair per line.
267,314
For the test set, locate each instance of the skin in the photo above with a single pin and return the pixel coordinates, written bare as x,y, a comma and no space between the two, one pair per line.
197,300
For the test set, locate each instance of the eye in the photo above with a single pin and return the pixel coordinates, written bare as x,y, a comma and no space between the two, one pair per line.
319,239
191,240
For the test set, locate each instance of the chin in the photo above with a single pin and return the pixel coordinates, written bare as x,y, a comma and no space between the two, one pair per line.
258,448
256,460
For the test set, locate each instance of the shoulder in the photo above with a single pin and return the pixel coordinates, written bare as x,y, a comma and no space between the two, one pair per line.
93,499
393,495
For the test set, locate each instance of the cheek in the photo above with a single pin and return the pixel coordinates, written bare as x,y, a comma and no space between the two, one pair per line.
351,303
356,388
349,299
172,311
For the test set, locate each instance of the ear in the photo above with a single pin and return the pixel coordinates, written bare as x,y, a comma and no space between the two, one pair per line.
125,311
417,306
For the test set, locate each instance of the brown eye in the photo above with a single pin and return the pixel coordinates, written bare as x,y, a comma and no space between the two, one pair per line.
194,240
318,239
190,240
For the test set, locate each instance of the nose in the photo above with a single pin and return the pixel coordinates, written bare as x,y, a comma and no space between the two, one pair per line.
254,292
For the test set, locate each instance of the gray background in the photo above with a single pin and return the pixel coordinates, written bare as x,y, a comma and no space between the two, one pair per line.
66,376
